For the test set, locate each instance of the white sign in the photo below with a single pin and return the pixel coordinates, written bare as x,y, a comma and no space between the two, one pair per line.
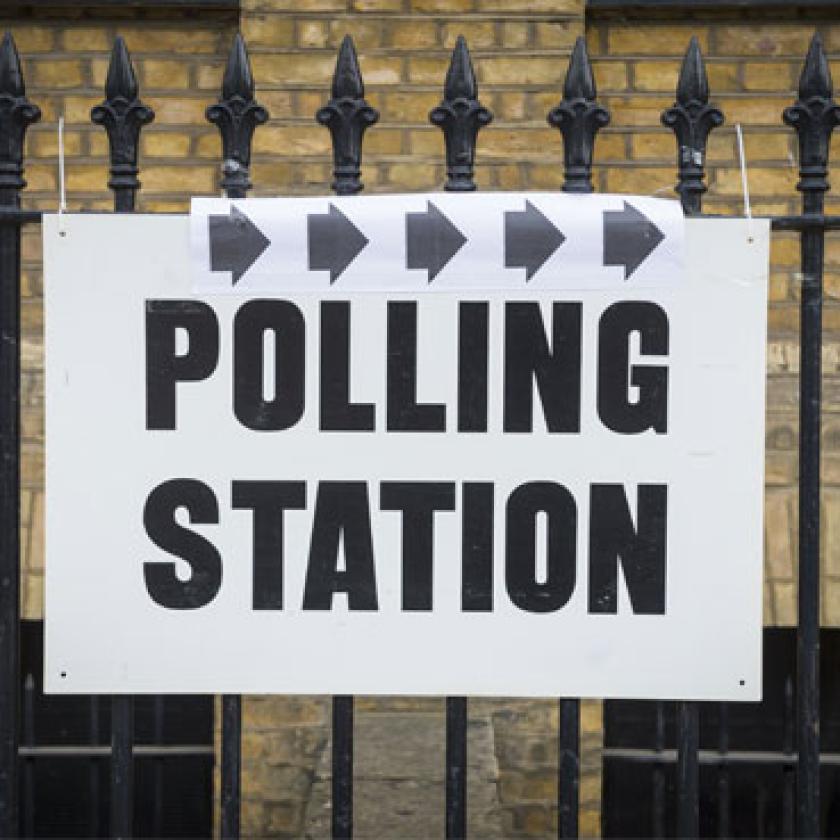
534,490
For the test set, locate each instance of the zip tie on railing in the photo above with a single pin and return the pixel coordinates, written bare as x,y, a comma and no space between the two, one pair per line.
62,193
742,160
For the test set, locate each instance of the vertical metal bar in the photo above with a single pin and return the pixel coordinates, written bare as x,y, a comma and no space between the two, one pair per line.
122,765
16,114
342,767
789,768
688,770
236,114
157,807
231,765
814,116
122,114
659,773
456,768
460,116
724,792
29,762
94,789
568,775
691,118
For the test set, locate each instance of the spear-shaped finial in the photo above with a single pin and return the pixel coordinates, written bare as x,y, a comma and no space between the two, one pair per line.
460,116
814,116
579,118
692,119
17,113
347,115
237,114
123,115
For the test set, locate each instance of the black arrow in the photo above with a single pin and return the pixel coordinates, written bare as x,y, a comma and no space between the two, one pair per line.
431,240
334,242
630,238
530,239
235,243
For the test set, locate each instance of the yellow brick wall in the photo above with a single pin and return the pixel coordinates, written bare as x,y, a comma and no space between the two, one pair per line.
753,66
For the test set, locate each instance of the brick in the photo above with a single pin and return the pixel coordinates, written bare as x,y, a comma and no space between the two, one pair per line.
527,142
32,596
610,75
410,176
638,180
383,141
649,146
268,30
34,39
762,181
479,34
367,34
289,69
723,77
376,5
784,251
209,75
32,467
192,179
655,76
45,143
555,7
99,72
188,40
655,40
521,70
779,536
298,5
165,144
769,76
425,142
312,33
180,111
41,177
161,73
36,534
414,35
427,70
641,111
784,603
557,34
764,146
292,140
57,73
831,604
86,178
515,34
276,175
450,7
77,109
767,39
407,107
510,105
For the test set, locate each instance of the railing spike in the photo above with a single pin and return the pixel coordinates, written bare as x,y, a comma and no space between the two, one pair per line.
579,118
814,116
460,116
237,114
122,114
692,119
815,79
347,79
347,115
17,113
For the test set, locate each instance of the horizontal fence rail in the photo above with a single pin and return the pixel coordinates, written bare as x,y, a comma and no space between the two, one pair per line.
460,115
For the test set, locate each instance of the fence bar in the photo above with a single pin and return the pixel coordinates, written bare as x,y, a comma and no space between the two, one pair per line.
789,775
813,116
28,820
231,771
456,768
16,114
342,767
236,114
568,775
724,786
688,770
460,116
659,773
122,115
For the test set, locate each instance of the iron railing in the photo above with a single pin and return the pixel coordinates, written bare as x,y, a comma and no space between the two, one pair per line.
460,115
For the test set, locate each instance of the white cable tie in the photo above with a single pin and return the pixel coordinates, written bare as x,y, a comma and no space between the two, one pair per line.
745,187
62,193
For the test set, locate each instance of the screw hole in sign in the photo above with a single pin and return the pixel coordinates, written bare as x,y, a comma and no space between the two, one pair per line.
63,674
741,682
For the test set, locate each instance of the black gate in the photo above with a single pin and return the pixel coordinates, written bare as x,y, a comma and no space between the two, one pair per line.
460,115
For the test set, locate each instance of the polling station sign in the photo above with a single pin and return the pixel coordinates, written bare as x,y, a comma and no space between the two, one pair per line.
350,463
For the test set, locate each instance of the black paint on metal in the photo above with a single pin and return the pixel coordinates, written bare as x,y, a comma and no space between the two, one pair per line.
659,773
237,114
568,775
347,115
123,115
456,768
691,118
16,115
122,765
231,765
724,785
688,770
579,118
813,116
342,767
460,116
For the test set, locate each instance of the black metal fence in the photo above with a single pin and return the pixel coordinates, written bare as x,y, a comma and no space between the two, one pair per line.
460,115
